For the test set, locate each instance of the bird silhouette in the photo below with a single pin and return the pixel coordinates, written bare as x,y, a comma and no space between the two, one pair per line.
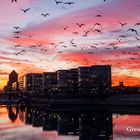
122,24
17,46
65,28
69,3
16,27
17,37
13,0
137,38
98,24
133,30
47,14
17,32
137,24
97,30
58,2
25,10
80,25
75,33
98,16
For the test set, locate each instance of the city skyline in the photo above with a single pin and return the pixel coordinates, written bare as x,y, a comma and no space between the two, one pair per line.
42,36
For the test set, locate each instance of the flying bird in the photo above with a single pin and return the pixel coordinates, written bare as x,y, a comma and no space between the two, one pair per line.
17,37
58,2
65,28
17,32
16,27
122,24
137,24
133,30
13,0
137,38
47,14
80,25
98,15
75,33
98,24
69,3
96,30
25,10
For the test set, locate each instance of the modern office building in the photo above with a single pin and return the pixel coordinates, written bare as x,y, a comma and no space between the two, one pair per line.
31,83
94,79
84,83
67,81
49,82
37,87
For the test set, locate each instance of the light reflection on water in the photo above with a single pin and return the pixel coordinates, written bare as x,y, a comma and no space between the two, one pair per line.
29,123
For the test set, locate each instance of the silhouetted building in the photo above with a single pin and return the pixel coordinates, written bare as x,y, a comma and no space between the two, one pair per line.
67,81
49,82
13,77
37,83
84,83
31,83
95,79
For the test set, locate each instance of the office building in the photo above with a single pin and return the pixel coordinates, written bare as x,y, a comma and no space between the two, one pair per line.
94,79
31,83
49,82
67,81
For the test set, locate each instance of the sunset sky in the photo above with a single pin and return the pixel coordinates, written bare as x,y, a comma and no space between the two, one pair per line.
81,33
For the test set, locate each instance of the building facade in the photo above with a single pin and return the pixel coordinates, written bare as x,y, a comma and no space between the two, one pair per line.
31,83
94,79
67,81
13,77
49,82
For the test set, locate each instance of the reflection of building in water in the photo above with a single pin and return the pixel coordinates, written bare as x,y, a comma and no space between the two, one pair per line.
89,126
95,127
68,124
50,121
28,116
37,118
12,113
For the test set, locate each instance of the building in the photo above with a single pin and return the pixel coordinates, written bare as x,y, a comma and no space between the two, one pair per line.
13,77
15,86
84,83
49,82
94,79
67,81
31,83
37,86
25,83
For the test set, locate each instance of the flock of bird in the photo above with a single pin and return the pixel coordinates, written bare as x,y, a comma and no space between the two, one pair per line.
64,46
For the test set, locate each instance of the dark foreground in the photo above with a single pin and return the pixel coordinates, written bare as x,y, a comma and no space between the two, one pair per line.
37,122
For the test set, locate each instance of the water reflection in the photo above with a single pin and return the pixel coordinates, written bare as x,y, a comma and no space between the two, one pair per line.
99,125
86,125
12,113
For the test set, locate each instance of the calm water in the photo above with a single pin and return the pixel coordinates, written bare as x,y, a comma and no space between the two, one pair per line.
38,124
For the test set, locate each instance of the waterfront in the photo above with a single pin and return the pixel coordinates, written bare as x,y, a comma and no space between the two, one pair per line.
32,123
